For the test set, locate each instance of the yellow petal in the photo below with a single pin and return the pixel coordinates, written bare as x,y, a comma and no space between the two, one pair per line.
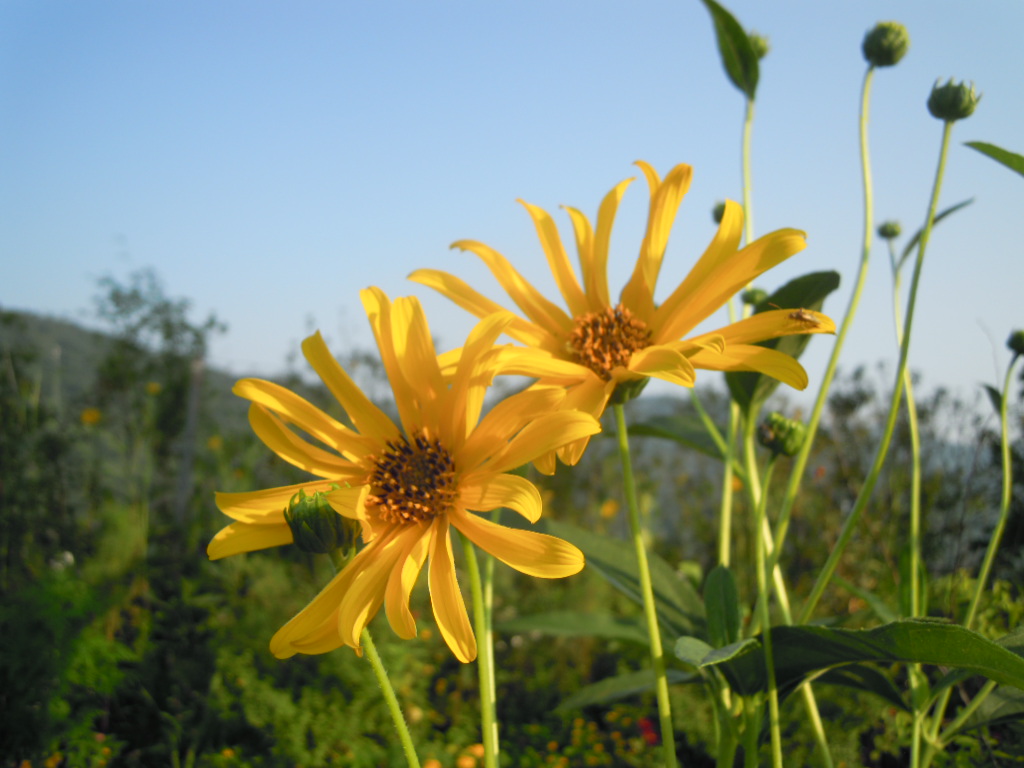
365,593
494,491
282,441
240,537
535,554
547,433
537,364
349,501
663,363
595,274
324,640
537,308
590,397
324,607
472,377
562,270
507,417
379,310
741,357
266,506
445,597
367,417
400,583
638,294
774,323
477,304
303,414
417,359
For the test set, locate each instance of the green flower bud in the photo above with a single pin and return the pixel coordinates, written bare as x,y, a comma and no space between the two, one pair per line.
889,230
316,527
718,212
781,435
953,101
1016,342
754,296
885,44
626,390
760,44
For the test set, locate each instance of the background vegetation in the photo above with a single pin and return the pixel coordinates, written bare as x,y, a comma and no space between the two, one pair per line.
122,645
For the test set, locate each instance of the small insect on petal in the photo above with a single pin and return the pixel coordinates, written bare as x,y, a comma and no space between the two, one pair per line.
806,318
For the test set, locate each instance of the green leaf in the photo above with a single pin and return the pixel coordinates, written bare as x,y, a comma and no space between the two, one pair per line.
1003,705
995,397
679,607
917,235
1011,160
620,687
692,650
722,606
866,679
738,56
687,430
750,390
575,624
801,652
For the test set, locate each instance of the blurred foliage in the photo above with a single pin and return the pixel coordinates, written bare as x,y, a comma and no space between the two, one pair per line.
123,646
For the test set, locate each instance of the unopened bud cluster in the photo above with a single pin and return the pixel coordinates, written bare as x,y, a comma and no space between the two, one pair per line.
754,296
886,44
1016,342
953,101
781,435
760,44
889,230
315,526
718,212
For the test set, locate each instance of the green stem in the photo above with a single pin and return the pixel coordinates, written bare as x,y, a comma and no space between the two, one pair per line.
389,697
800,460
763,597
338,560
725,510
869,484
647,591
485,659
748,183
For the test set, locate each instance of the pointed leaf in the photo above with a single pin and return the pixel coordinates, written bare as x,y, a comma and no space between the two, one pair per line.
620,687
1003,705
866,679
750,390
692,650
679,607
738,56
722,606
575,624
687,430
1011,160
803,651
917,235
995,397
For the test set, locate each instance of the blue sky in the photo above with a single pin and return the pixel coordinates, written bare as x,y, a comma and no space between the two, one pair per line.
268,160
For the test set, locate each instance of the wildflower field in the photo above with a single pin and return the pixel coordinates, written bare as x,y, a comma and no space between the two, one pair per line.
514,551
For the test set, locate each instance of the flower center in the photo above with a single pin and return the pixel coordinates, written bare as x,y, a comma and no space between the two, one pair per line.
413,481
605,340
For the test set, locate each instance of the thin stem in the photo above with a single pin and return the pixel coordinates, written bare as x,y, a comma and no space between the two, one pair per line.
484,659
796,474
763,597
390,698
647,590
869,484
748,182
338,560
725,509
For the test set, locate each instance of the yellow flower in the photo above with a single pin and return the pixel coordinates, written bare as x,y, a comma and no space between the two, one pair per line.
599,345
154,388
91,416
406,485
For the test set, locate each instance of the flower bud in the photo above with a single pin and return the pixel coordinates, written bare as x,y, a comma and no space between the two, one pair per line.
760,44
754,296
626,390
885,44
953,101
1016,342
889,230
316,527
718,212
781,435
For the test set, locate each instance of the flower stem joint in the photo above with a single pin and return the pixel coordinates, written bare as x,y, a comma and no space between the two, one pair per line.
953,101
781,435
885,44
316,526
